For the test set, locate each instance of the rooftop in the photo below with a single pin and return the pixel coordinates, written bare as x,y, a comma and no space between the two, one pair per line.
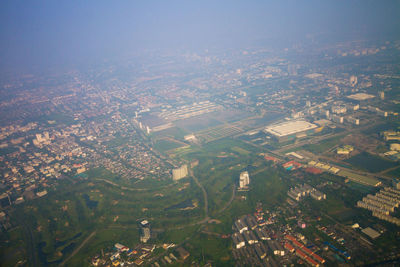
370,232
360,96
290,127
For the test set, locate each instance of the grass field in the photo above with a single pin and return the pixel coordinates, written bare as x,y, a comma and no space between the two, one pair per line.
61,220
394,173
164,145
371,163
323,146
359,178
173,132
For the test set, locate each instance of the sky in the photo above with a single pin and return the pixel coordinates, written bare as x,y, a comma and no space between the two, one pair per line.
49,33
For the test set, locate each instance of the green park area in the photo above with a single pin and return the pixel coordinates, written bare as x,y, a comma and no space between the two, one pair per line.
62,220
173,132
164,145
101,209
322,147
371,163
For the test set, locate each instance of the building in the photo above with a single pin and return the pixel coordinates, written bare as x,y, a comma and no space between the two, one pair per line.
339,109
41,193
344,150
179,173
289,130
353,80
301,224
370,232
378,111
260,250
244,180
396,184
360,96
391,135
190,138
144,231
353,120
337,119
241,226
183,253
300,191
238,240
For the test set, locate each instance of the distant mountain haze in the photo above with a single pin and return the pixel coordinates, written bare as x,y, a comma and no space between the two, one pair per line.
43,34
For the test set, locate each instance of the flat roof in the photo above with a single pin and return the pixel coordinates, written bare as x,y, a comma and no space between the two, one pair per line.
290,127
371,232
360,96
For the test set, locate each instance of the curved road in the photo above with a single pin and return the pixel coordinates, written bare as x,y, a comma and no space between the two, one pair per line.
230,200
205,196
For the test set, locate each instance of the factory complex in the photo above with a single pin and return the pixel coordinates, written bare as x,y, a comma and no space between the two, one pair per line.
289,130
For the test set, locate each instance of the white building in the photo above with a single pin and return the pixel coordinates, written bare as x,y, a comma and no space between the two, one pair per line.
244,180
289,130
145,231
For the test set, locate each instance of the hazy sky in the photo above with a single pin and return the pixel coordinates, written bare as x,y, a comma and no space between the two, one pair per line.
57,32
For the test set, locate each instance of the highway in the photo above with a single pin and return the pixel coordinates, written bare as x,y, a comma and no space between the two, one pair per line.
78,248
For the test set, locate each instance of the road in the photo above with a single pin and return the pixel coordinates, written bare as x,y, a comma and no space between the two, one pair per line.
230,200
205,196
78,248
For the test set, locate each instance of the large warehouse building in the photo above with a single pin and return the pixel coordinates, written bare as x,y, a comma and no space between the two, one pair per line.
289,130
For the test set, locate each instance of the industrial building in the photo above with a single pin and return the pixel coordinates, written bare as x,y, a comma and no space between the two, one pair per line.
290,130
391,135
370,232
185,112
360,96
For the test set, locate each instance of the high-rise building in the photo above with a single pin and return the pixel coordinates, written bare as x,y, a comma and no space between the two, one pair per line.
39,138
353,80
244,180
144,231
382,95
46,136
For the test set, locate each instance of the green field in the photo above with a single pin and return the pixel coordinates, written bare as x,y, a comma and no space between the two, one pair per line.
164,145
60,221
371,163
323,146
173,132
394,173
110,207
359,178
